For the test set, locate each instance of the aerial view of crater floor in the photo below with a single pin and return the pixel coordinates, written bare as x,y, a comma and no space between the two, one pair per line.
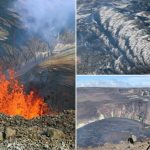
113,118
113,36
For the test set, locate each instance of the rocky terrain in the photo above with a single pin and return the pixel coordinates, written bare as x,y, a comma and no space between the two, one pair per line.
54,132
45,65
108,117
53,78
121,146
112,130
101,103
19,45
113,36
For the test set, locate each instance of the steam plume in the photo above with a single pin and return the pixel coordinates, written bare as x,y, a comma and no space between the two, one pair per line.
46,18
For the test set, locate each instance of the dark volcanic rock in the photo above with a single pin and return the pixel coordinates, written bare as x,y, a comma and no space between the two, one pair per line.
113,130
113,36
101,103
42,133
19,46
54,133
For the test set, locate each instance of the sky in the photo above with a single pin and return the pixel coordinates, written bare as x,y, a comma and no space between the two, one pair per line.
114,81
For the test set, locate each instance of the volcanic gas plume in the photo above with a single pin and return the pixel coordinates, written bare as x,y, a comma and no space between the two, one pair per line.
14,100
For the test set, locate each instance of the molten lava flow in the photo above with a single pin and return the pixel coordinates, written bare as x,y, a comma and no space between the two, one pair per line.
14,101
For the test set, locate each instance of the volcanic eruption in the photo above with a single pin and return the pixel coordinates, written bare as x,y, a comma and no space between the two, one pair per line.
15,101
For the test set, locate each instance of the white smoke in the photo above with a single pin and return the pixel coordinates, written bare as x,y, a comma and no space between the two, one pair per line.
46,17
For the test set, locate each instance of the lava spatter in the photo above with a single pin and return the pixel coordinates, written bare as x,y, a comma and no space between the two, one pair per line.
14,101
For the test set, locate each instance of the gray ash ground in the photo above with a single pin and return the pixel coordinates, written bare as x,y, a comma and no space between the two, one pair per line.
55,132
111,130
113,36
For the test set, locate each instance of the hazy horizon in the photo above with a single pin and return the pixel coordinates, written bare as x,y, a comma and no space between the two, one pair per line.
130,81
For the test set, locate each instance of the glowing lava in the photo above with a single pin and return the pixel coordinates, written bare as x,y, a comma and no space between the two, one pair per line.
14,101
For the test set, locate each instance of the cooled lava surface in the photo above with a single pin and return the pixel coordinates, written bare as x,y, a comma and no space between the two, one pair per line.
42,133
113,36
112,130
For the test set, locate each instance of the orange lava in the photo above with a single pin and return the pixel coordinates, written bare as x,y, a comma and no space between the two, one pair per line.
14,101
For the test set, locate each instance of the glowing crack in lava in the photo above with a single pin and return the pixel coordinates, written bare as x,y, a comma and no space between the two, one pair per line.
14,101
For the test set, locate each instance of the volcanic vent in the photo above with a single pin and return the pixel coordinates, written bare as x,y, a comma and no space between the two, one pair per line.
14,100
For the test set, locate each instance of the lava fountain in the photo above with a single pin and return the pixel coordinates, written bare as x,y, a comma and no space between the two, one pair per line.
14,101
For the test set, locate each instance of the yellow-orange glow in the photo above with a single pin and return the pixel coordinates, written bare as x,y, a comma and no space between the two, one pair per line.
14,100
